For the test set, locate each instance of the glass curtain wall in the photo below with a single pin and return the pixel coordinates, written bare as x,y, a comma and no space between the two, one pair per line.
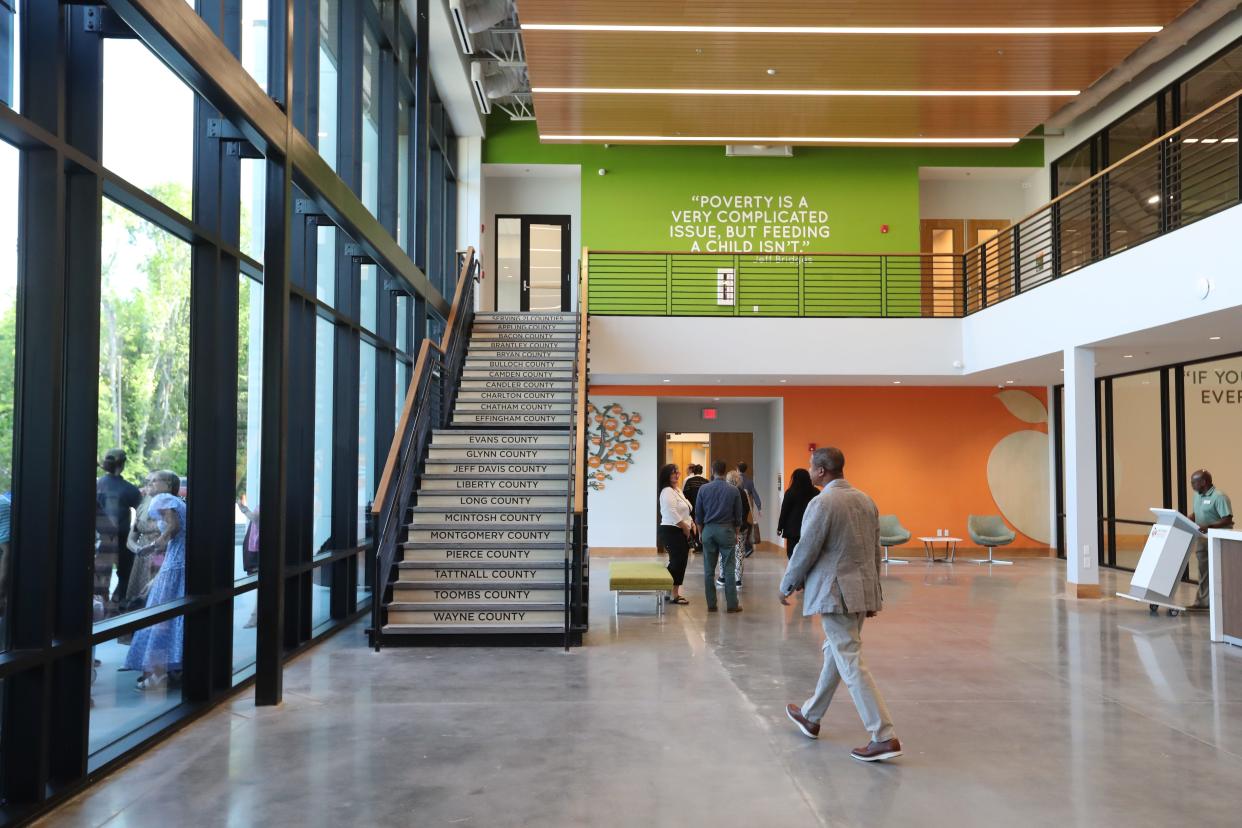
1155,429
132,348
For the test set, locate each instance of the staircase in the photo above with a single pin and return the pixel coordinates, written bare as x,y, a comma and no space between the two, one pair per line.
485,552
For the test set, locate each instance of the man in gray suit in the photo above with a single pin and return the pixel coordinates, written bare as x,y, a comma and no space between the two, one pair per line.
837,564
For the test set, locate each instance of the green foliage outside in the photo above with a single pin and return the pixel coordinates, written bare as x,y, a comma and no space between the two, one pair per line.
8,352
144,339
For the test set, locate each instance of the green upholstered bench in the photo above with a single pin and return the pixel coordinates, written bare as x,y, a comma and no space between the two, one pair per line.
639,578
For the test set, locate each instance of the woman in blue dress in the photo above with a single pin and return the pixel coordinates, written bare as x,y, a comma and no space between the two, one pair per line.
156,650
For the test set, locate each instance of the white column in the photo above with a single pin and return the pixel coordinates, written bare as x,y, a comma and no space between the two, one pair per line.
470,199
1052,467
1081,518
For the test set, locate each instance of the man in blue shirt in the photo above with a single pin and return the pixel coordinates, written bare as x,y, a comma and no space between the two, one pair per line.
718,512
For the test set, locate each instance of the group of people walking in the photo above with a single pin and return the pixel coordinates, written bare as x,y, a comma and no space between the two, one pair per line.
832,539
716,517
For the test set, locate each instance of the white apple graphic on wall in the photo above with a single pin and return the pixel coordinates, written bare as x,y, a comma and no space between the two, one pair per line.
1018,468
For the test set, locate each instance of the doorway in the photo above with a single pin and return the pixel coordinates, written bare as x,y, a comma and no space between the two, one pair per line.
945,240
688,449
532,264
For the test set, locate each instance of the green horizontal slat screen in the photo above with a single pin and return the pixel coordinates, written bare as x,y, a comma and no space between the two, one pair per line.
684,284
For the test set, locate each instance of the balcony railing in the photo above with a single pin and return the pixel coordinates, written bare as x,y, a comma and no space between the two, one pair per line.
1191,172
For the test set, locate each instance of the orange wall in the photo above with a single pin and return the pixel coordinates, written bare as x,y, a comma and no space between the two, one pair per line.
920,452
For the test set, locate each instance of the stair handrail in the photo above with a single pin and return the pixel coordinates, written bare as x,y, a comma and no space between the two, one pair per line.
436,363
575,505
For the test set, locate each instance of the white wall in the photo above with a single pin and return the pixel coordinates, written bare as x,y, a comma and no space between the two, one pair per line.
972,198
1152,285
630,349
624,511
1143,87
470,196
548,189
754,417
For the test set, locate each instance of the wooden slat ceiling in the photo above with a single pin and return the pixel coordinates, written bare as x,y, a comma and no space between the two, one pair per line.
714,60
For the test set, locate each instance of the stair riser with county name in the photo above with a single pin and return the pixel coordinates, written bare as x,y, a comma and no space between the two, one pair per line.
518,343
475,554
487,537
478,518
551,397
488,595
531,419
483,575
506,617
504,501
499,453
545,484
503,386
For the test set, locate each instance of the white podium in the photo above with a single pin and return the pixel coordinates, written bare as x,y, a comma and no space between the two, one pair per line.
1163,561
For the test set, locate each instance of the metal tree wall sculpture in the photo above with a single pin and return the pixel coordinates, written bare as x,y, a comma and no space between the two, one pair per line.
611,433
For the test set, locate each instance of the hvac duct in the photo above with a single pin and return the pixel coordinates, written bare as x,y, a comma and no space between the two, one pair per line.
1173,37
471,17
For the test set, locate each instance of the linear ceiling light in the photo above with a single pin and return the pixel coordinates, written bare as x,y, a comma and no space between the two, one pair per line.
844,30
757,139
827,93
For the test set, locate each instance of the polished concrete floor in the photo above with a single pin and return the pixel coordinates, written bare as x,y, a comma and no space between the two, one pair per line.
1016,706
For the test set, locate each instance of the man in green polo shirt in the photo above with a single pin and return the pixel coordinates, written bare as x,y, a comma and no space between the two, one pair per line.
1212,510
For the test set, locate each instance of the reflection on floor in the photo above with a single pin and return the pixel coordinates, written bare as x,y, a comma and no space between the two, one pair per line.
1015,705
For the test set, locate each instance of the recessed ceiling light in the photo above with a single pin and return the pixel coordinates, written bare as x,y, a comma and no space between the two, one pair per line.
1154,200
771,71
1127,356
784,380
841,30
1062,370
668,380
770,139
1213,338
1210,140
896,382
716,399
1190,141
803,93
1008,382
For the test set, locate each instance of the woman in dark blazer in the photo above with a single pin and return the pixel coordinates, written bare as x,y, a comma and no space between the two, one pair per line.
801,491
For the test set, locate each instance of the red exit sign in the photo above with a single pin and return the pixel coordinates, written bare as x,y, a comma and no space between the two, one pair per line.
709,413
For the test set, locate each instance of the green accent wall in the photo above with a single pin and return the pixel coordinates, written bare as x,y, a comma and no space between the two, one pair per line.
645,189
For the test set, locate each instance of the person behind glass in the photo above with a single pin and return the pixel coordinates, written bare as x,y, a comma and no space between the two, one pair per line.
739,547
756,503
801,491
250,552
718,514
6,523
675,529
1211,510
156,650
115,498
141,545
